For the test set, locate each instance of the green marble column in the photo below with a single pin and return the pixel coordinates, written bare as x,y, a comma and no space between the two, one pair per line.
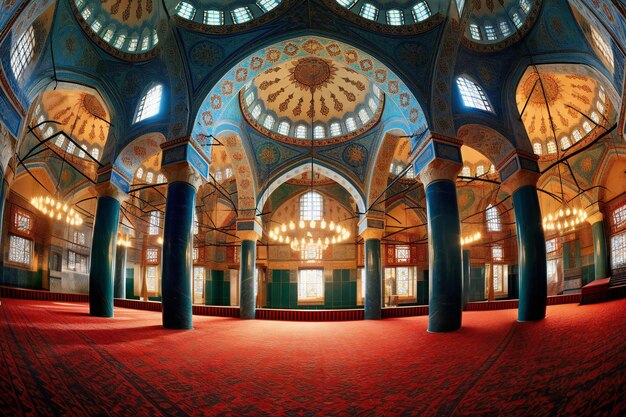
600,254
103,256
444,257
466,276
373,280
531,246
247,298
119,287
176,291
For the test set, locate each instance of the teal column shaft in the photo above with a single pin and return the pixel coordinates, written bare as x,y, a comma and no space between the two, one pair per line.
600,254
444,257
3,194
373,280
103,257
119,285
467,270
177,270
531,248
247,299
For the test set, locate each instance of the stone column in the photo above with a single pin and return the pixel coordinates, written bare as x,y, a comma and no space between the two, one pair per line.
249,231
111,188
438,164
184,166
371,230
119,287
519,175
467,269
600,253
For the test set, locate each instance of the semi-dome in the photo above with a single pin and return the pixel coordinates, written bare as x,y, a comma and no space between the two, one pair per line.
124,28
312,98
495,25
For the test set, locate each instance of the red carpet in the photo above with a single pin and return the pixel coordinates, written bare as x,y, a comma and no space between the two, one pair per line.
57,360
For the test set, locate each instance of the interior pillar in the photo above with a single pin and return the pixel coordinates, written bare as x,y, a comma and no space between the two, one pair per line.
249,231
119,286
438,163
371,229
101,272
519,175
600,253
177,270
467,269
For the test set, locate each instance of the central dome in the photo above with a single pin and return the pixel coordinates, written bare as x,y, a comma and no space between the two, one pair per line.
311,98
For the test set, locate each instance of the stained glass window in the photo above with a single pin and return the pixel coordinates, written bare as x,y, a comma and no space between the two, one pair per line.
311,206
310,284
22,53
472,94
493,219
150,103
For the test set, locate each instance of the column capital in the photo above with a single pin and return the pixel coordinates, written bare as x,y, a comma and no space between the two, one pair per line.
184,161
518,170
595,217
439,158
249,229
371,227
112,183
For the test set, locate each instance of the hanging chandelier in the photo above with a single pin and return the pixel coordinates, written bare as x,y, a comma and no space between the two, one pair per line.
564,219
57,210
468,240
309,233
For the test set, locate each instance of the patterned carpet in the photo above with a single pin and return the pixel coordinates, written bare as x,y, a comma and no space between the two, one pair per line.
57,360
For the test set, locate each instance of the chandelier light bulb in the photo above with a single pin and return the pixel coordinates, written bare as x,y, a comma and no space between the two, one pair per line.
312,224
301,224
292,225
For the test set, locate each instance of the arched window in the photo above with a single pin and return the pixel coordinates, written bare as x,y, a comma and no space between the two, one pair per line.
395,17
60,140
319,132
364,116
149,177
249,98
493,219
346,3
577,135
195,225
505,29
602,94
603,45
132,44
311,206
480,170
22,53
587,127
213,17
283,128
119,41
301,132
525,6
96,26
150,104
335,129
516,19
154,222
421,11
473,95
108,35
350,124
218,175
139,173
161,179
475,32
185,10
466,172
565,143
372,104
492,169
256,111
95,153
537,148
600,106
595,117
145,43
551,145
228,172
369,11
490,31
241,15
268,123
267,5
